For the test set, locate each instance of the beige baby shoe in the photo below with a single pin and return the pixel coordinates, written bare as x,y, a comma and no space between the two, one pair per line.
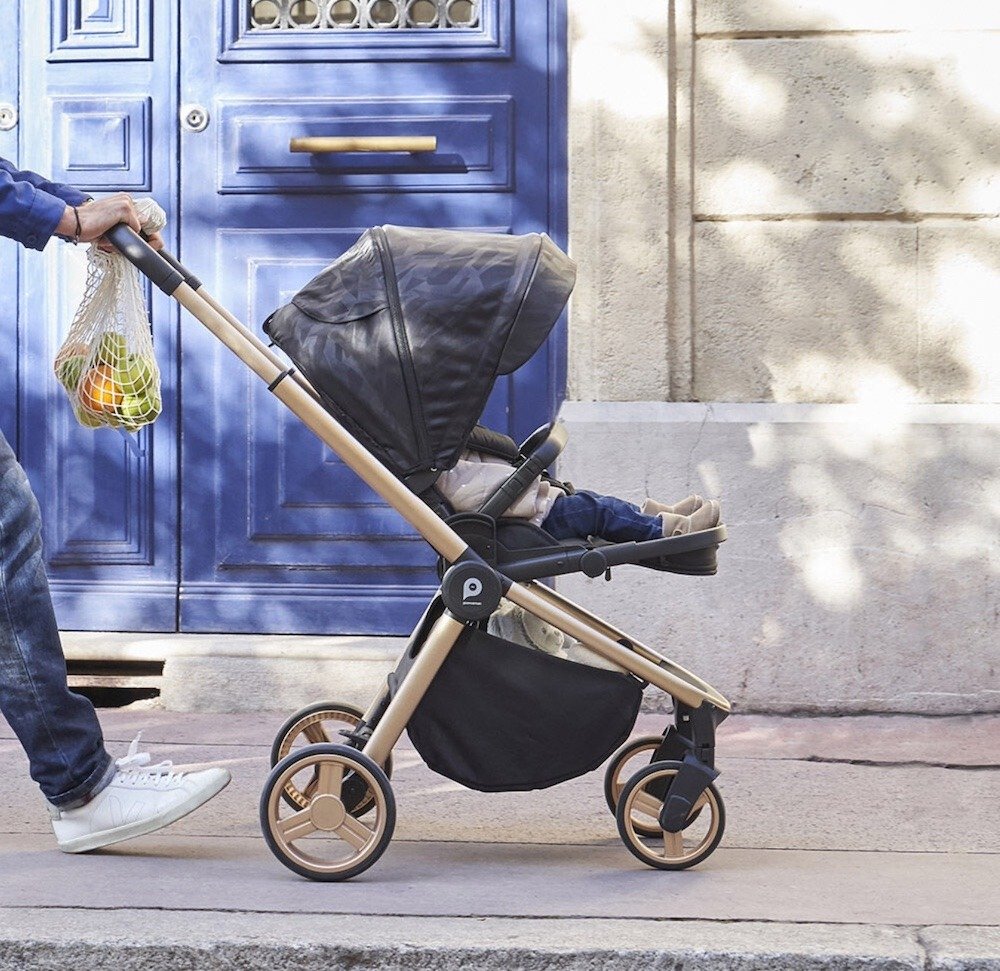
683,508
704,517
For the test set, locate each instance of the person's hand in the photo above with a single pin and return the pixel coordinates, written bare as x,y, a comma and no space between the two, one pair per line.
100,215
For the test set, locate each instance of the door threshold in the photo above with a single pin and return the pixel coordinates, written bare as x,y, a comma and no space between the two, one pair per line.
244,672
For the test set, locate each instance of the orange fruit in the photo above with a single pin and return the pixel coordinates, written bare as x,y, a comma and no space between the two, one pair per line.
99,392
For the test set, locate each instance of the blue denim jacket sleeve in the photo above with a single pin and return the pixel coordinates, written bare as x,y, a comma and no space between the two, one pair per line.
31,206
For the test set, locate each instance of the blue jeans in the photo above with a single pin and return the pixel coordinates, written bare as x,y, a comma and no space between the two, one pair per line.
586,514
58,729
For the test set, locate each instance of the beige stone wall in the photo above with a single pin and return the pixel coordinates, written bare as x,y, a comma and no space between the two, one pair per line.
862,569
785,200
790,211
623,183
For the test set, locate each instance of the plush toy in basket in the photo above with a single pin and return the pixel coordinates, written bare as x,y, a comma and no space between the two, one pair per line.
106,364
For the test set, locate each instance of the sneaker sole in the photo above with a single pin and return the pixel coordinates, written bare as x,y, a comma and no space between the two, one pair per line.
97,841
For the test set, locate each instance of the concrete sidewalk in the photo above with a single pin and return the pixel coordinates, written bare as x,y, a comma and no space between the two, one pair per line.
868,842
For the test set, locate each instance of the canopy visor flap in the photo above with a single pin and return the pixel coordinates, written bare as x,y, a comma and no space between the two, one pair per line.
350,288
545,296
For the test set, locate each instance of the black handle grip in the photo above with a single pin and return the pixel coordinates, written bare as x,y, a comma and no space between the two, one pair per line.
189,278
144,258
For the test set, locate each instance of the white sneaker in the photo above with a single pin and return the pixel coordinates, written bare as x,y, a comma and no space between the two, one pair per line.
141,799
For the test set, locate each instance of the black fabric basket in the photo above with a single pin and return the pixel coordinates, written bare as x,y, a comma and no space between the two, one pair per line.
500,717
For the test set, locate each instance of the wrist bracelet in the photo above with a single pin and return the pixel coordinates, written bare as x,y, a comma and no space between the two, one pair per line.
79,229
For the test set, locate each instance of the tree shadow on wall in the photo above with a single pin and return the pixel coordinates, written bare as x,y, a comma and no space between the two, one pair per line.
845,250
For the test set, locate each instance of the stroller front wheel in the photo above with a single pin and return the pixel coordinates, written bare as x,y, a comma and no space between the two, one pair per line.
324,840
667,851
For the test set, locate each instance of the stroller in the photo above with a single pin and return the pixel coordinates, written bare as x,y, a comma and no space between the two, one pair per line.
395,348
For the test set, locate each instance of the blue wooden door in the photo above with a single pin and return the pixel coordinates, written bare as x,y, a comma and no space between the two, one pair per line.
276,534
9,83
96,104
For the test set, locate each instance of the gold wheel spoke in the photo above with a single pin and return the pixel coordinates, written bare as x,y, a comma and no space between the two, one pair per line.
673,845
316,733
330,777
647,805
702,801
296,826
353,831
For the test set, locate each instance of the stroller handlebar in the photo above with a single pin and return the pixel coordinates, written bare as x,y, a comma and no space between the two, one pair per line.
189,278
145,259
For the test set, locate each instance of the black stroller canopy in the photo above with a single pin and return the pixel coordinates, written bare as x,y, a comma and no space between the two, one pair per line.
405,334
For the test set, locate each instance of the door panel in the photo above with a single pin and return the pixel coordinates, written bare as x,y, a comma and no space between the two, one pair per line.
102,143
277,534
101,30
9,84
377,31
474,145
91,78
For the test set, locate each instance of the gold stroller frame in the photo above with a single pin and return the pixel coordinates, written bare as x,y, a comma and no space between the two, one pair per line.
324,810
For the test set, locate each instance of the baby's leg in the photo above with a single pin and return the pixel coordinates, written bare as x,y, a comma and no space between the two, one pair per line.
586,514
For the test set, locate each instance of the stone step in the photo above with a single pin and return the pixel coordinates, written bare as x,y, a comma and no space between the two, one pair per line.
151,940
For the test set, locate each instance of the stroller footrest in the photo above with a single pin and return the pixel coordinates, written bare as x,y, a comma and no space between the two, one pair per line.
617,554
694,563
594,560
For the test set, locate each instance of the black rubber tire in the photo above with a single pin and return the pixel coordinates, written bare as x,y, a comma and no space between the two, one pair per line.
293,720
635,781
361,759
624,753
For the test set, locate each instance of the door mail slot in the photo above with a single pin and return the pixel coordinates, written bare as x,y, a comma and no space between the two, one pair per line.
381,144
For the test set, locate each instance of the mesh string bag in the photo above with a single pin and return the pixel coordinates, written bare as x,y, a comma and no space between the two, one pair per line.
106,364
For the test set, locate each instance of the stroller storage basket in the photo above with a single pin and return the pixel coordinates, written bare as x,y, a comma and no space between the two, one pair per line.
501,717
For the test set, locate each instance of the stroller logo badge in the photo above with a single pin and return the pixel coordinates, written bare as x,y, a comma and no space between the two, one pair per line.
471,591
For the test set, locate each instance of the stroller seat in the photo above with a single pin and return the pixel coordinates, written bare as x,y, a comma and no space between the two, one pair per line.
523,551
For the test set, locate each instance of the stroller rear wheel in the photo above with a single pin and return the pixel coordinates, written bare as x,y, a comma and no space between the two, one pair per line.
316,724
619,769
668,851
324,841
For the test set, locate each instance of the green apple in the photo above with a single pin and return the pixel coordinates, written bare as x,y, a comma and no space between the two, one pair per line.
137,375
86,419
133,409
70,371
138,409
112,350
